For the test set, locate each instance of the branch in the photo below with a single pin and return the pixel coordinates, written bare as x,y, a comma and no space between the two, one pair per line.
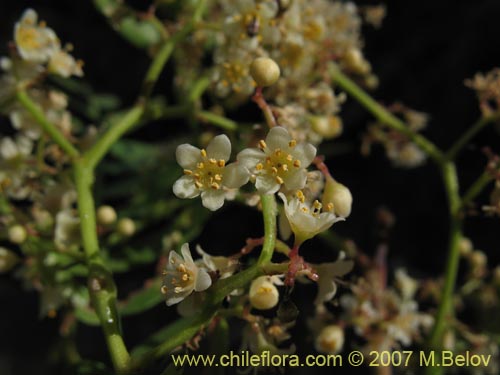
48,127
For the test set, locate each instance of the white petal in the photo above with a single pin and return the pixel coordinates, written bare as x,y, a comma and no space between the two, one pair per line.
186,254
284,226
278,137
212,199
250,157
235,175
266,185
184,187
219,148
305,152
203,280
295,179
187,156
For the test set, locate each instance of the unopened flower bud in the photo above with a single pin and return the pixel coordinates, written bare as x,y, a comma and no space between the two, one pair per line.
465,246
106,215
17,234
126,227
264,71
7,260
330,339
356,62
263,294
339,195
327,126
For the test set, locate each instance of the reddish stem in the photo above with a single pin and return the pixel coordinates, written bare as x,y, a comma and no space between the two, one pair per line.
258,98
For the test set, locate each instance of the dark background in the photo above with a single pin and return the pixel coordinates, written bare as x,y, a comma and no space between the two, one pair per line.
422,54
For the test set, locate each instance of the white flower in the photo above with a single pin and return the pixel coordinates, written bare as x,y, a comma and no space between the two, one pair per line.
183,276
65,65
263,294
223,266
279,160
327,272
35,42
67,229
206,172
307,220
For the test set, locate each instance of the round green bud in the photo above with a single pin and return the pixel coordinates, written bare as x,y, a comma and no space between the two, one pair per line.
264,71
106,215
126,227
17,234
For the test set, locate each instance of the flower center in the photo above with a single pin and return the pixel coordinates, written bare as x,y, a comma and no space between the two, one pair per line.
316,208
185,277
278,162
208,174
28,38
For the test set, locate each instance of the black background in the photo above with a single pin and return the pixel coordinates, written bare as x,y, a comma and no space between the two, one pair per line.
422,55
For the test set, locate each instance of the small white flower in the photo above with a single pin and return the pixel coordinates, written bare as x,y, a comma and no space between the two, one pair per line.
35,42
279,160
183,276
330,340
307,220
67,229
206,172
65,65
223,266
328,272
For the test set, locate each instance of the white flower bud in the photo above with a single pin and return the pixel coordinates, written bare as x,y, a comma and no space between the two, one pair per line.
264,71
327,126
7,260
356,62
465,246
263,294
106,215
17,234
339,195
330,339
126,227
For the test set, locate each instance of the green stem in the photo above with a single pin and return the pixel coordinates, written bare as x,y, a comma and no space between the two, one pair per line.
101,285
383,115
216,120
468,135
115,132
477,187
48,127
184,329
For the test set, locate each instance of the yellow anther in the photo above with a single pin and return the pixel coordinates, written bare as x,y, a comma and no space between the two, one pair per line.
218,177
317,205
304,209
203,152
296,163
262,144
178,289
212,161
268,160
300,196
164,289
259,167
221,163
181,268
292,143
185,277
188,172
196,176
274,170
198,184
215,186
289,157
284,167
329,207
279,180
277,152
200,165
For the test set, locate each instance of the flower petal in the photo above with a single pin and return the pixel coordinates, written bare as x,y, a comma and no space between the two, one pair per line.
186,254
235,175
278,137
219,148
266,185
250,157
212,199
305,152
203,280
295,180
187,156
184,187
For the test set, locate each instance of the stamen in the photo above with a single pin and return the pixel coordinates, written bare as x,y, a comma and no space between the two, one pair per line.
292,143
296,163
212,161
221,163
277,152
178,289
181,268
185,277
300,196
279,180
329,207
200,165
259,167
284,167
188,172
198,184
218,177
289,157
203,152
262,144
274,170
164,289
215,186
